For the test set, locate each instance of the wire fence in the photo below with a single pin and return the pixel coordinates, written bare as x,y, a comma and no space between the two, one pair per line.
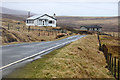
37,29
112,61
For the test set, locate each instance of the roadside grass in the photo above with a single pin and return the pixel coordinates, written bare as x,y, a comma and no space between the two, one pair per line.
14,37
79,59
111,43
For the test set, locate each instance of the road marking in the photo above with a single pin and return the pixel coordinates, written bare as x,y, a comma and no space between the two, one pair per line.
34,55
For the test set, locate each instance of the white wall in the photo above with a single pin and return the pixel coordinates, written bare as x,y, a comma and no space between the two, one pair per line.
90,29
83,28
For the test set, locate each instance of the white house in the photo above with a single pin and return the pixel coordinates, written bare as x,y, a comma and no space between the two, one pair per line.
41,20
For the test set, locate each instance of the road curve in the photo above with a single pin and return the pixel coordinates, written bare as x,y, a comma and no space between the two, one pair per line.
12,54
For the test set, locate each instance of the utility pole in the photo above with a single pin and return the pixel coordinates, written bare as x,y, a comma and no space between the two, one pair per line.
28,13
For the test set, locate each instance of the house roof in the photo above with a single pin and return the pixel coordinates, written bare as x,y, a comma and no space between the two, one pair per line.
38,16
92,26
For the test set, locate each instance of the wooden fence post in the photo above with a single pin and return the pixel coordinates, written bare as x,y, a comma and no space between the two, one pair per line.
56,33
112,66
39,32
115,67
118,68
8,26
99,41
23,27
18,28
28,28
44,32
110,62
52,33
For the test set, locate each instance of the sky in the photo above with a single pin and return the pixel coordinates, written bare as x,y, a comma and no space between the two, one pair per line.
66,7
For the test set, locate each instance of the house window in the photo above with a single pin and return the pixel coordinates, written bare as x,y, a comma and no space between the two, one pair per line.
30,21
27,21
88,29
50,22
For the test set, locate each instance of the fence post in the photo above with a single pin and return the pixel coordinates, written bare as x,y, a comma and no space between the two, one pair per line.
48,33
28,28
8,26
56,33
52,32
118,68
112,66
18,28
44,32
110,62
23,27
99,41
115,67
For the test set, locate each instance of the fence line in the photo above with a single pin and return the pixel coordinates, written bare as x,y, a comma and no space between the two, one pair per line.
113,62
40,31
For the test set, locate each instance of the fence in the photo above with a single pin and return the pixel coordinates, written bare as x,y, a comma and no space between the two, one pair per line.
113,62
40,31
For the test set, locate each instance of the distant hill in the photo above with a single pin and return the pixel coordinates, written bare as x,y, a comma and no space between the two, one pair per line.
14,12
13,17
107,23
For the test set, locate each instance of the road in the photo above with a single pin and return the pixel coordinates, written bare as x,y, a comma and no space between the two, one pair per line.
20,52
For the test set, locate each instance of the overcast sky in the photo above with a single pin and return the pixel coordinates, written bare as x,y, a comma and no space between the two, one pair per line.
66,8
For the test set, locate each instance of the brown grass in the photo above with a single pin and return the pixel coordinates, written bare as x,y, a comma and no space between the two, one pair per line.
80,59
12,36
111,43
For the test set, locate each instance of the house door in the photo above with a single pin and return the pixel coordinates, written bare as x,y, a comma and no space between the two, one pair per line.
43,23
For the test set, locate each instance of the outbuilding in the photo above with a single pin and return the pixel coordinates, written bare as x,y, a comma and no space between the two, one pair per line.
91,28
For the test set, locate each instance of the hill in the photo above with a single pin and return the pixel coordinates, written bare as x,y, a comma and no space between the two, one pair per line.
13,17
107,23
14,12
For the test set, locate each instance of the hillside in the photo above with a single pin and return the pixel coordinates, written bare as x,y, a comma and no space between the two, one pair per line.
14,12
107,23
13,17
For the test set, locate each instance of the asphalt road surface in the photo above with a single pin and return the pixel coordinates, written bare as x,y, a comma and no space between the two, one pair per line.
16,52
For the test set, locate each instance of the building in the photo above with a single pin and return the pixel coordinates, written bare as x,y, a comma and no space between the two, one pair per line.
91,28
41,20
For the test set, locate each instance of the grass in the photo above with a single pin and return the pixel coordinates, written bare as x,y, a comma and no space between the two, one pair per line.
111,43
13,36
79,59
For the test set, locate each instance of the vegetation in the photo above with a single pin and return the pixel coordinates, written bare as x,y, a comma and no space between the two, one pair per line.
112,43
76,60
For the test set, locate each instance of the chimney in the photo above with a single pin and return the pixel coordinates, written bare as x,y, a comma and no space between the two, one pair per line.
28,14
54,15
